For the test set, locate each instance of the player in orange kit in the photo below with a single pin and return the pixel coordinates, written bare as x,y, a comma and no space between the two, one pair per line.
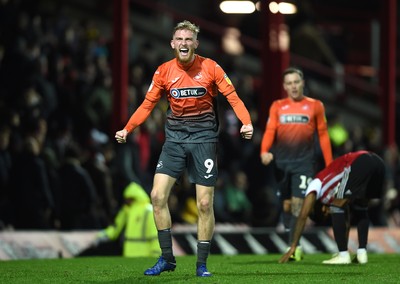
191,83
289,140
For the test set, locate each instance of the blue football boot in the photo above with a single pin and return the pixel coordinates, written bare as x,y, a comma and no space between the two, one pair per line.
161,266
202,271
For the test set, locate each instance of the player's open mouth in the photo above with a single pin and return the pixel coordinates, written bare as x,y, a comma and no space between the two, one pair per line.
184,51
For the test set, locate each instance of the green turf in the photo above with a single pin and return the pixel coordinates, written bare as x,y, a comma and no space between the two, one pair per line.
381,268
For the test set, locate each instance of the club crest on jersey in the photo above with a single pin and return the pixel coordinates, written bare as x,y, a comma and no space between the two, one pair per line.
198,77
174,80
183,93
294,118
227,79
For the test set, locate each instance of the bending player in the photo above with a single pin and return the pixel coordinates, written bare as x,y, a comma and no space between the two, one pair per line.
354,178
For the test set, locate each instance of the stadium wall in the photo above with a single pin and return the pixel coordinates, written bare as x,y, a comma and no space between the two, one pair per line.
228,240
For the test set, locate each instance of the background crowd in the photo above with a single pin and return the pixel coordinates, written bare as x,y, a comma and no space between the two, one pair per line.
60,167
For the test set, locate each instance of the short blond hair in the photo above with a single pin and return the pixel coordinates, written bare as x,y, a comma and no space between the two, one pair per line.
186,25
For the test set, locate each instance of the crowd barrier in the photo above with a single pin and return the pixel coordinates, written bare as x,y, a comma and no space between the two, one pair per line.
229,239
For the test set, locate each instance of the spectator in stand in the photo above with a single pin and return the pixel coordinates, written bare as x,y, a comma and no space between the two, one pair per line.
5,159
79,204
6,162
237,201
97,104
100,173
31,195
220,211
309,42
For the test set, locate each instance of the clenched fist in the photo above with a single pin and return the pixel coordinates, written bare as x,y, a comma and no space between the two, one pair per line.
121,136
266,158
246,131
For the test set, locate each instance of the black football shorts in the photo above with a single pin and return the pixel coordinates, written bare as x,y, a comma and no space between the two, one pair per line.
199,159
293,178
366,177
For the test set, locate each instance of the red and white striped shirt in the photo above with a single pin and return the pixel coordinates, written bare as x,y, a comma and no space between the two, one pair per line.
330,183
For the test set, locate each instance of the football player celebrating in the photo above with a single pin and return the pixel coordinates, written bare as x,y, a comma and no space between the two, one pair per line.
191,83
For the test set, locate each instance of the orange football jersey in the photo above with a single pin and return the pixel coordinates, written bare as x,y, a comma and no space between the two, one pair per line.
191,92
291,128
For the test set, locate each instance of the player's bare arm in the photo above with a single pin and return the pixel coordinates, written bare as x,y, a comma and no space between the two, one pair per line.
308,204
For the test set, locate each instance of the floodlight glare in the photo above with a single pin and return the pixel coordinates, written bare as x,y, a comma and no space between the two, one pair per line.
281,7
237,7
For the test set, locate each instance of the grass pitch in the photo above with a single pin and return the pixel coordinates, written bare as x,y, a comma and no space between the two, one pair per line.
381,268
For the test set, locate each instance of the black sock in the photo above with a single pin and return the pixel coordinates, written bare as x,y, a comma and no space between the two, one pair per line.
361,215
339,228
165,239
203,250
286,220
